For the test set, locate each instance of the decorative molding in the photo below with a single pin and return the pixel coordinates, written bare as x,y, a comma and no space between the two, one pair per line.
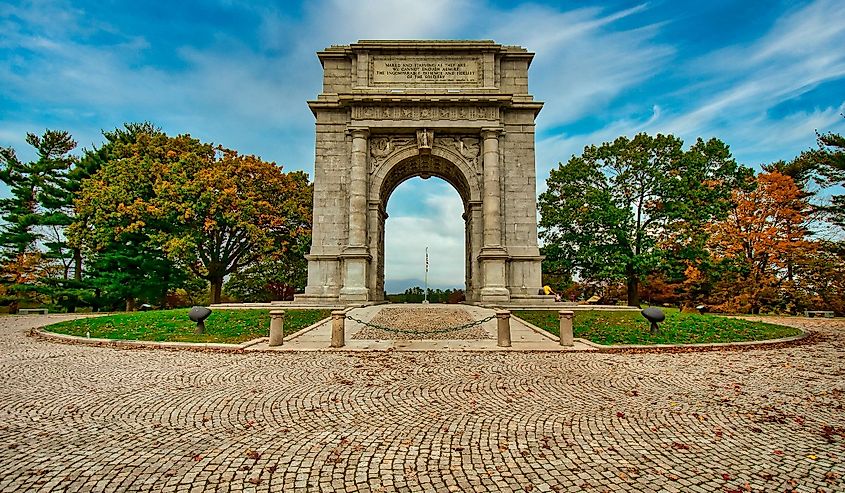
451,113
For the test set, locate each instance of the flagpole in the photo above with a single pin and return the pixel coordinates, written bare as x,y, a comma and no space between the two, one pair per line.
425,294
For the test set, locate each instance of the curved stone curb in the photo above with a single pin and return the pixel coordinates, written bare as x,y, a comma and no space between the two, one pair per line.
597,348
133,344
189,346
709,346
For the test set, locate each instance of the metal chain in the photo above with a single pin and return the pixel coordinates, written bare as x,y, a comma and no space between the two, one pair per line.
422,332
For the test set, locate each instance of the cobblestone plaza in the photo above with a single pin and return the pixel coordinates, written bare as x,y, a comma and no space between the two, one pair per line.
81,418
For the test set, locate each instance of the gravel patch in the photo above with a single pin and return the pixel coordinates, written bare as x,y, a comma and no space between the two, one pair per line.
427,323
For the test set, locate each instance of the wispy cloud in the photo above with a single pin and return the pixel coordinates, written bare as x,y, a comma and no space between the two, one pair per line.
744,85
583,60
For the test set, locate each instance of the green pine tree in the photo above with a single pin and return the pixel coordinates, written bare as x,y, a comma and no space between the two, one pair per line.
24,217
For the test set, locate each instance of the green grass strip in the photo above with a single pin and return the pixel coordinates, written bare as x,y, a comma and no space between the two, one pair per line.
226,326
629,327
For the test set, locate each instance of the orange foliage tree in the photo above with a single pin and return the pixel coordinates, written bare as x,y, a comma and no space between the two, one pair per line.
763,237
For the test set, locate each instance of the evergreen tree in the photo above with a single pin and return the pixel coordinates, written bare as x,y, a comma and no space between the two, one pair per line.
31,184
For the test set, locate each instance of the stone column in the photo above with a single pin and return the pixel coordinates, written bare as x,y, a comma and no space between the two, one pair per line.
493,255
356,255
492,189
566,317
476,242
277,327
374,221
358,188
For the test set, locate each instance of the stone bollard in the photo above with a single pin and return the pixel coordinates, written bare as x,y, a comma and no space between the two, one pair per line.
338,323
504,322
277,327
566,327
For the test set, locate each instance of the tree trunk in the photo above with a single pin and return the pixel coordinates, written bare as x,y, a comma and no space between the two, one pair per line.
216,288
77,264
633,290
130,304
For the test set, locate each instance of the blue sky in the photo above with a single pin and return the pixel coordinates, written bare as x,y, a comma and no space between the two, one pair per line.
760,75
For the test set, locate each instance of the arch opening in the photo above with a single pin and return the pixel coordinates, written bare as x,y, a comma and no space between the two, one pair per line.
391,177
425,214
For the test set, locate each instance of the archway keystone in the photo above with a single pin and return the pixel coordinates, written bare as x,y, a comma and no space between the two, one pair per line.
393,110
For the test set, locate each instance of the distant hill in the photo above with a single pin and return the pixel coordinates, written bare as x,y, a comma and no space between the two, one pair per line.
398,286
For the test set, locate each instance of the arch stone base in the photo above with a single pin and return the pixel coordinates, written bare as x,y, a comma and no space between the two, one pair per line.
394,110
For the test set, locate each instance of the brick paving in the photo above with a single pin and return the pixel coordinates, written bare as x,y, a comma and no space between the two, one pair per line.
81,418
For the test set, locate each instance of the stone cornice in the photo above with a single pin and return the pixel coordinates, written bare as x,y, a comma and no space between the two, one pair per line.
425,46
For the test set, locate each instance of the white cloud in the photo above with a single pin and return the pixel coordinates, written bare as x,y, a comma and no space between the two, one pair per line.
740,94
430,215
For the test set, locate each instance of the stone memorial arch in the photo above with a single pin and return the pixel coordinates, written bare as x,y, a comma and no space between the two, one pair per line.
393,110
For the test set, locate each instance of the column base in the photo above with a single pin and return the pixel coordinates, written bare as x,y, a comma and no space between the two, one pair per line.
355,262
354,294
495,295
493,289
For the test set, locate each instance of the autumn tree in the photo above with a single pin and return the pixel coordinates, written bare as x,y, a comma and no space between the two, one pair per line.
765,232
269,280
230,213
824,276
698,191
160,203
617,210
115,217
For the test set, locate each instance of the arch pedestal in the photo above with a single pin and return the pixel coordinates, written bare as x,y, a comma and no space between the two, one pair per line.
394,110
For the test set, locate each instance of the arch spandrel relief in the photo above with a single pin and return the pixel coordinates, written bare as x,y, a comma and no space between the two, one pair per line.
467,147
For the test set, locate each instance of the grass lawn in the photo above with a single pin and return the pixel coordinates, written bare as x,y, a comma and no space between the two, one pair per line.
629,327
229,326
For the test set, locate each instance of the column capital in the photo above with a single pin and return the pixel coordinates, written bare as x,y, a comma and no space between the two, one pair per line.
491,132
359,132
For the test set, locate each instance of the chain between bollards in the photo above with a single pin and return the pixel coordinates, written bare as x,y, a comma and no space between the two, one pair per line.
566,317
277,327
422,332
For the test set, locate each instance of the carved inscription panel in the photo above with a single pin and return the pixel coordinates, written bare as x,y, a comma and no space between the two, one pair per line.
426,70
